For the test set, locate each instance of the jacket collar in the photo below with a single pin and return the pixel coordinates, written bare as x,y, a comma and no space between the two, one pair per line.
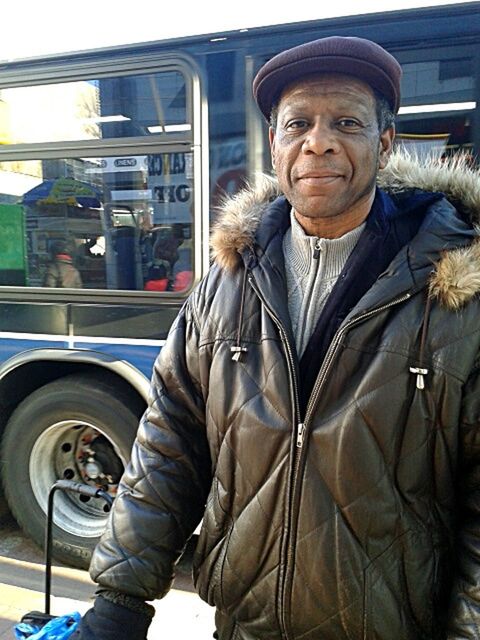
445,239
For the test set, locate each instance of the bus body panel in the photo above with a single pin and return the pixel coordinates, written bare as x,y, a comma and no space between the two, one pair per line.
127,176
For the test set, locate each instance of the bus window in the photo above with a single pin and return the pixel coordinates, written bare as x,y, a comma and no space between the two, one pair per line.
116,217
97,109
438,102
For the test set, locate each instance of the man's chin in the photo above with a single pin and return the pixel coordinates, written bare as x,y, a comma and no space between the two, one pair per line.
315,208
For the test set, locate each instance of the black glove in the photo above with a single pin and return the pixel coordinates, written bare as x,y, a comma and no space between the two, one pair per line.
111,621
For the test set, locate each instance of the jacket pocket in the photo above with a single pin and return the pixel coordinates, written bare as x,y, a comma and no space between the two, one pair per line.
398,590
211,549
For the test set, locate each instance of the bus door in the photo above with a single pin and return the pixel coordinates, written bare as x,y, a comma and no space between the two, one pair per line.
104,212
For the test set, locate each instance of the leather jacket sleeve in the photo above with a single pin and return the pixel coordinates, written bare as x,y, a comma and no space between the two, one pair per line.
464,615
163,491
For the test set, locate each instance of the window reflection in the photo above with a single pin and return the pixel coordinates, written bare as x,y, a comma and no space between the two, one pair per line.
121,223
119,107
438,99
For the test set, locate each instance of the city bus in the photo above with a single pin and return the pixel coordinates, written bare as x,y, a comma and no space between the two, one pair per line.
115,161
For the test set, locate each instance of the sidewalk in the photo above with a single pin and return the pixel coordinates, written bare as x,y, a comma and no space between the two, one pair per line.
181,615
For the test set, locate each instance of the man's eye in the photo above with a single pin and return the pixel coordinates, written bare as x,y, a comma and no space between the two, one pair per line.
349,123
295,124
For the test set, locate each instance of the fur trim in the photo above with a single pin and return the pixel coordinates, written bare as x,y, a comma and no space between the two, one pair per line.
239,220
457,276
453,177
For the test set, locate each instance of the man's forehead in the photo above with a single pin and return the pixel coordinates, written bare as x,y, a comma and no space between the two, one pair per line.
329,84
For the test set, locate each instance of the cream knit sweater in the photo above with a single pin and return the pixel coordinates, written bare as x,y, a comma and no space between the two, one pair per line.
312,267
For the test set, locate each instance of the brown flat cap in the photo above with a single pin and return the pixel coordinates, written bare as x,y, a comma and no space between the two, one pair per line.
356,57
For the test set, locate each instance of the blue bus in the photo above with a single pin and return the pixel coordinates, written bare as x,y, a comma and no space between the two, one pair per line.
112,165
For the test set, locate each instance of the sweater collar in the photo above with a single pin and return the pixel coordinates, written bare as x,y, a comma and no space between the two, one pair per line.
299,248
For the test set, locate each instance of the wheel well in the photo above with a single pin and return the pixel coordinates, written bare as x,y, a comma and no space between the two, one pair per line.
26,378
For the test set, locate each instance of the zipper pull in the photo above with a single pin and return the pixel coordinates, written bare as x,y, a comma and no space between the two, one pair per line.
316,250
421,373
300,434
237,352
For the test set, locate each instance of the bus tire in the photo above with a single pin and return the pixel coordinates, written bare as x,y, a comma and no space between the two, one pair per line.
77,428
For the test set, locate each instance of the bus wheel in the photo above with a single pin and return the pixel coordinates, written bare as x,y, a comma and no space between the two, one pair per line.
77,428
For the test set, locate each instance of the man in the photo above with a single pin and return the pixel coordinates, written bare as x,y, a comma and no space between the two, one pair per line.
319,390
61,271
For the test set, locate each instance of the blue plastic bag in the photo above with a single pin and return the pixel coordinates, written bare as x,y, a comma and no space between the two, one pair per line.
57,629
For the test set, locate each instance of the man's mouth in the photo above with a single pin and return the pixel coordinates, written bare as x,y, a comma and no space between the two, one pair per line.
318,177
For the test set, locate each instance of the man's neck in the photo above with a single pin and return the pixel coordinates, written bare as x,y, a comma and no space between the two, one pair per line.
338,225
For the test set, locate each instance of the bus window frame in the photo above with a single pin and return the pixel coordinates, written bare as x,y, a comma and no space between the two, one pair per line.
255,126
194,141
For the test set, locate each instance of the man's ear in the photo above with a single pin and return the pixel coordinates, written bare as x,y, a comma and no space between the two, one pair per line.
271,139
386,146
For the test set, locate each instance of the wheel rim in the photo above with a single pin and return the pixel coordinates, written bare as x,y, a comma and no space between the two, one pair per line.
79,451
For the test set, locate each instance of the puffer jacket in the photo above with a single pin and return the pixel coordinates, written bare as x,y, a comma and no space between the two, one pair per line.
359,520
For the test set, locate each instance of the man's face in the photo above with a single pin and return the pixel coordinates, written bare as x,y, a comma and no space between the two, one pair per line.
327,147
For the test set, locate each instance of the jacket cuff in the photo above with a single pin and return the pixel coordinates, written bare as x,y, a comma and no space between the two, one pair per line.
111,621
130,602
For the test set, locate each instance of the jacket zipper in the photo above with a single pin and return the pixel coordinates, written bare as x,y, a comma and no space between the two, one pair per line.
302,432
301,427
325,368
312,278
298,435
288,349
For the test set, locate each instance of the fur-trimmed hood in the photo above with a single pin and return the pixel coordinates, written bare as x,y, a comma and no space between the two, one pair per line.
457,276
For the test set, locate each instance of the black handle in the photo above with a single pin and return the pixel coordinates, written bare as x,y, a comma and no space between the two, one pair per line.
76,487
83,489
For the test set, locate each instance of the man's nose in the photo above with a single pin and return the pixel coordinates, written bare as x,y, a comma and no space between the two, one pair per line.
320,139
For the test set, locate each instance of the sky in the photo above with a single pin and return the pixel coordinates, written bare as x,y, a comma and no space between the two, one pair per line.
56,26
